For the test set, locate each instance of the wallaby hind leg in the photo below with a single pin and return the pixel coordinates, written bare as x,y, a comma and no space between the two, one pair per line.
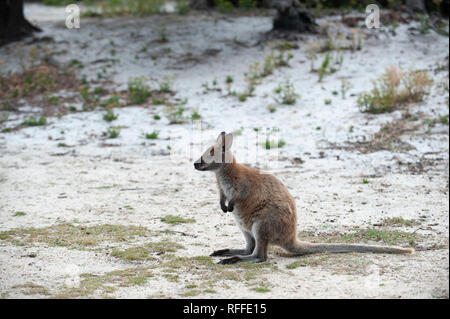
250,246
259,253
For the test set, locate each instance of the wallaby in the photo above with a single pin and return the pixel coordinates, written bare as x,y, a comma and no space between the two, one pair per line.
264,210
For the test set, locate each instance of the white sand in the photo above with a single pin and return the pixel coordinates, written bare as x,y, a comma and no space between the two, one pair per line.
53,185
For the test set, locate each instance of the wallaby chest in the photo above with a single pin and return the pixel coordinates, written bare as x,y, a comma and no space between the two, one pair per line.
226,186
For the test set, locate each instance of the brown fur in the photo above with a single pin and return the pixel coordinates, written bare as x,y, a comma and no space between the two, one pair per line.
264,210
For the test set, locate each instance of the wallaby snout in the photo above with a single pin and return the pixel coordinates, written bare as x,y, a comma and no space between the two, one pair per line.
199,164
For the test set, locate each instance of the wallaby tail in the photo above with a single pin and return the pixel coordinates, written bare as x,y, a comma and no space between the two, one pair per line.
303,248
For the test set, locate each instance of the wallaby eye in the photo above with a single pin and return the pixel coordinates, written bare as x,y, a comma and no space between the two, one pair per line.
211,152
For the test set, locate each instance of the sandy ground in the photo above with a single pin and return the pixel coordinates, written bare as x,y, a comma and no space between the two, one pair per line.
136,182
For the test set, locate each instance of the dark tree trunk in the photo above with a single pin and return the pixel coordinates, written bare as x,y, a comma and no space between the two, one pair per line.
13,25
293,16
199,4
416,6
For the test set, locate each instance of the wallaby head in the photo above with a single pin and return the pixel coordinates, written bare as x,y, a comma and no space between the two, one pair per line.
217,155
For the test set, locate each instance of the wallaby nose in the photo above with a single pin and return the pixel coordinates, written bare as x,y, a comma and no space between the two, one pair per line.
197,163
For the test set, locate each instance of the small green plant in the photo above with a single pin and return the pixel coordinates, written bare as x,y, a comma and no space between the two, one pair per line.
84,91
311,53
158,101
175,114
393,28
329,65
345,87
323,70
283,58
112,101
53,100
224,6
110,116
152,136
328,101
242,97
261,289
271,144
286,93
138,90
156,117
171,219
195,116
247,4
399,222
269,65
393,89
113,132
32,121
4,117
99,90
56,2
19,214
253,78
365,181
424,23
229,79
76,63
207,88
272,108
182,7
430,123
166,84
163,35
238,132
62,145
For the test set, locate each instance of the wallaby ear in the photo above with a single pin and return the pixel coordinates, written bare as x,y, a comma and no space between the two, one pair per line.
219,138
228,140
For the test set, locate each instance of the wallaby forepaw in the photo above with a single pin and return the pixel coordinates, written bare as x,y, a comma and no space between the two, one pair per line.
230,208
220,252
228,261
224,207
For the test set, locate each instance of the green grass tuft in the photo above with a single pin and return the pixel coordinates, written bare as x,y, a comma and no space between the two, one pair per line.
32,121
171,219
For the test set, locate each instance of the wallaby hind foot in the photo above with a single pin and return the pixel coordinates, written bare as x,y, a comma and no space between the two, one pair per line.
237,259
230,252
